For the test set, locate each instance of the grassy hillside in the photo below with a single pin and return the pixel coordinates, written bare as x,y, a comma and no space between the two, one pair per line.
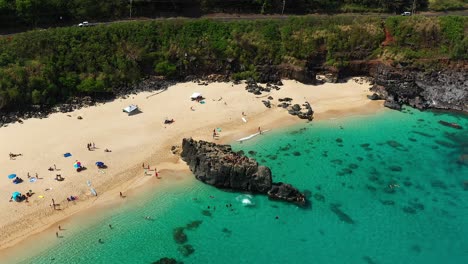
47,67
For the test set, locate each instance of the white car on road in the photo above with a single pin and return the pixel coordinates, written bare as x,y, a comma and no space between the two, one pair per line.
84,24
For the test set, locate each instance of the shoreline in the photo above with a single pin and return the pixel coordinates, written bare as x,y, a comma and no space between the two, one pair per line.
127,178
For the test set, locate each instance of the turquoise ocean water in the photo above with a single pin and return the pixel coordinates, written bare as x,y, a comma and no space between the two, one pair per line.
386,188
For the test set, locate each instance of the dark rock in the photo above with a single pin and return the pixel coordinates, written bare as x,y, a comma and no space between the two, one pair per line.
443,89
285,192
219,166
335,208
267,103
416,248
167,261
439,184
286,99
463,159
374,96
179,236
395,168
452,125
193,224
409,210
387,202
206,213
186,250
368,260
391,103
252,153
465,185
319,197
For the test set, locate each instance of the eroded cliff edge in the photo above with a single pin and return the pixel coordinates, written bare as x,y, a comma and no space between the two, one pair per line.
444,88
219,166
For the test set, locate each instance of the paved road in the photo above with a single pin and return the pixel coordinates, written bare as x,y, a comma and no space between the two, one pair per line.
230,17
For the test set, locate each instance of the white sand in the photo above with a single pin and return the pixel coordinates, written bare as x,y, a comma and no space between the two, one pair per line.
136,139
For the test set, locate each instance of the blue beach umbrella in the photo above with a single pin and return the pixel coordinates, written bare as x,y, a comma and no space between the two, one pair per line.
99,163
11,176
15,195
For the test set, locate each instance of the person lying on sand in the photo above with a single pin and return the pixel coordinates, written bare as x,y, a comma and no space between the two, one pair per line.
107,150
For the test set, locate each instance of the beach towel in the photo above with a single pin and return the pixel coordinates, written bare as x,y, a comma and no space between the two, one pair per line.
66,155
218,129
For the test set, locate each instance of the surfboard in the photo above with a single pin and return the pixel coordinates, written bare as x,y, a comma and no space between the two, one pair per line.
252,136
93,191
244,119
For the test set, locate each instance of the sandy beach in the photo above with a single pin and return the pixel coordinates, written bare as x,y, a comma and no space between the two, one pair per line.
137,139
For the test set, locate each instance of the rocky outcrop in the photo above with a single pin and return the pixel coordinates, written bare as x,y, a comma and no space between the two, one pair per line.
219,166
257,89
444,89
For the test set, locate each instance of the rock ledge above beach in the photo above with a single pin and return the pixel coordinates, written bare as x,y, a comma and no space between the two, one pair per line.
221,167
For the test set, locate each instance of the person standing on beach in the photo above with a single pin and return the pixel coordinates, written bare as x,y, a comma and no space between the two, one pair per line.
259,130
56,234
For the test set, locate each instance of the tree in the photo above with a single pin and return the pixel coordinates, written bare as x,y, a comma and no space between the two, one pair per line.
36,97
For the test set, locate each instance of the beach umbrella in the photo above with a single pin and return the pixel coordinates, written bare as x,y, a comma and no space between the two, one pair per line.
11,176
77,165
15,195
99,163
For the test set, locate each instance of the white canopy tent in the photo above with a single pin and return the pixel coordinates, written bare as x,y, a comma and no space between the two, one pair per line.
196,95
131,108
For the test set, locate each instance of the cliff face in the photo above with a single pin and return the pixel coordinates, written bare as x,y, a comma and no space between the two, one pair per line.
441,89
219,166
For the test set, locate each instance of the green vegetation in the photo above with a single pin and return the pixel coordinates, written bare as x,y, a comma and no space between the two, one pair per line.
49,66
445,5
419,37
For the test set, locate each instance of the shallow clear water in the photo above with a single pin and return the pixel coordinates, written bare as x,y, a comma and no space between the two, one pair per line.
386,188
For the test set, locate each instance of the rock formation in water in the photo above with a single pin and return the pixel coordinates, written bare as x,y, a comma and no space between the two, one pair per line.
223,168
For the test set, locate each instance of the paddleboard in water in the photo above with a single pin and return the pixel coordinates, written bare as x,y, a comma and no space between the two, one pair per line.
252,136
93,192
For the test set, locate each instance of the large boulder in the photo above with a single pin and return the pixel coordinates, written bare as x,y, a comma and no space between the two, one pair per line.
219,166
